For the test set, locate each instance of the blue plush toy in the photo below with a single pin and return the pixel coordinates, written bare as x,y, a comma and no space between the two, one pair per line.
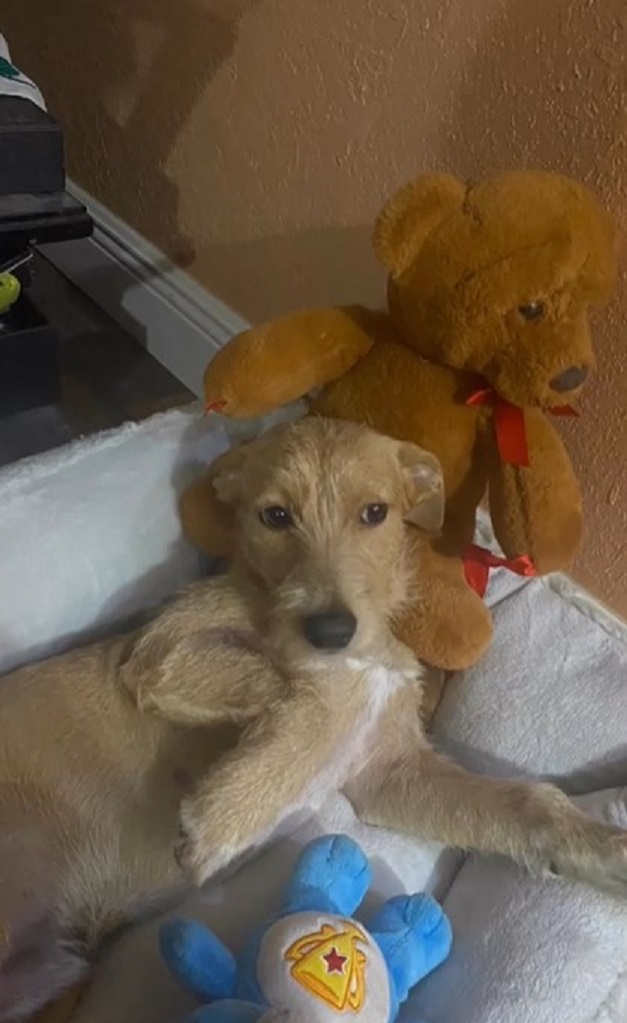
312,963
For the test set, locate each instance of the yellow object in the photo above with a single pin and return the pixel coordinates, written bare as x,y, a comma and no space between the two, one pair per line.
10,289
330,966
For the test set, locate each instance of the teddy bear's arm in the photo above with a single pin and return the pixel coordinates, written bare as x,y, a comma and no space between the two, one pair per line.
269,366
537,510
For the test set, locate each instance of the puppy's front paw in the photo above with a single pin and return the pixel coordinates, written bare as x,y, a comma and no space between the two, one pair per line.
199,851
596,855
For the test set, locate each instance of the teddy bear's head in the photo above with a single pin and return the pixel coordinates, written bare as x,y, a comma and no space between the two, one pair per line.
497,277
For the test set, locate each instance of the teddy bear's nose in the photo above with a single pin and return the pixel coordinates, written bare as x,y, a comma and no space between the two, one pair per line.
570,378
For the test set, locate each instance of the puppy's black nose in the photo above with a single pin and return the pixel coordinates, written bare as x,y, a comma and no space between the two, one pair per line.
571,378
332,630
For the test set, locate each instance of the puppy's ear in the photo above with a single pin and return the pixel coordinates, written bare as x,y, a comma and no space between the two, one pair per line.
424,488
411,215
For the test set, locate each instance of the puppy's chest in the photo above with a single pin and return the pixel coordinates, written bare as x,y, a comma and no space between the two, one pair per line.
356,743
380,685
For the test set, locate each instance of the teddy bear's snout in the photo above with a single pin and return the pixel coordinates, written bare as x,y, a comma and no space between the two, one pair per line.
569,379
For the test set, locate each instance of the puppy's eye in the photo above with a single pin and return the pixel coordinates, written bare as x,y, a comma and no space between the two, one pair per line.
531,310
374,514
276,517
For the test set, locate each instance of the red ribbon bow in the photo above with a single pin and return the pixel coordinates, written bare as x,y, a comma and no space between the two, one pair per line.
509,424
478,561
214,406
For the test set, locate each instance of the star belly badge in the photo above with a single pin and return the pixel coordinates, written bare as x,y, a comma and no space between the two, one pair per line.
330,964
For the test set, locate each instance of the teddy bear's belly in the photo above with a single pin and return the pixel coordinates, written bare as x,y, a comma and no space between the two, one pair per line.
320,965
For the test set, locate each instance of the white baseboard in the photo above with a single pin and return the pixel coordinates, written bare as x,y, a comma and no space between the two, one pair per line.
172,316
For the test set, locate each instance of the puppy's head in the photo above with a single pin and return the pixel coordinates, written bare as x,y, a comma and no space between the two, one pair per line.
321,508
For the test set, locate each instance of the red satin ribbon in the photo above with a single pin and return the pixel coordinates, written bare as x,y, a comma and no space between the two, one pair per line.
509,424
478,561
214,406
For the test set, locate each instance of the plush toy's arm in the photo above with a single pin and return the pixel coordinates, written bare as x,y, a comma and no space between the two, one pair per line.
415,937
537,510
198,959
269,366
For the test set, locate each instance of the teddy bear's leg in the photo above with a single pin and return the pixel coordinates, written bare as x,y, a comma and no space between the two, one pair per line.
198,959
332,875
230,1011
414,936
448,625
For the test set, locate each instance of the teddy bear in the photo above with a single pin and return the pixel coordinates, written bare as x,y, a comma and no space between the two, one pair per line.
312,962
484,340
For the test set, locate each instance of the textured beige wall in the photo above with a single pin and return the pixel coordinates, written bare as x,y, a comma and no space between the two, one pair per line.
253,140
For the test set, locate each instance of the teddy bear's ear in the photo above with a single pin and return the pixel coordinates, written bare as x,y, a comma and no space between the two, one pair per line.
411,214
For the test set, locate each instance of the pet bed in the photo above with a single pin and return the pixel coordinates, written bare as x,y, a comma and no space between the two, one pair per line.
89,537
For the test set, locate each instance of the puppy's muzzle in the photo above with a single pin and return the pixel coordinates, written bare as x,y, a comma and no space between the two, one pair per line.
332,630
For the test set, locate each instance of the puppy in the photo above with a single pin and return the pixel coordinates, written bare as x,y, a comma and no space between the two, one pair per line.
242,705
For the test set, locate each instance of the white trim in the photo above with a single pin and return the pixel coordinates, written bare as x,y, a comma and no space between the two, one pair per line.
589,605
172,316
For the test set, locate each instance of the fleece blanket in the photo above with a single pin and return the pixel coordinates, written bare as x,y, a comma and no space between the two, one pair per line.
89,536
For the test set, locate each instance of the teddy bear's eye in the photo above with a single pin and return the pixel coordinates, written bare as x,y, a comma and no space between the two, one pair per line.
531,310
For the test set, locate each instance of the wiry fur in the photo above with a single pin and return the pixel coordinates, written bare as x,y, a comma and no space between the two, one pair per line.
220,718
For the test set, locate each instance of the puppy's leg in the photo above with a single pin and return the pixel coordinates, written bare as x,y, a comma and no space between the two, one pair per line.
38,965
272,771
429,796
62,1008
40,955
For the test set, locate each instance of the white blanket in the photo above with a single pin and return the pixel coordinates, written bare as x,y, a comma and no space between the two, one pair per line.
89,535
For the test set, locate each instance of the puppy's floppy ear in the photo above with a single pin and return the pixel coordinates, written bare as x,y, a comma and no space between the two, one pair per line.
424,487
411,215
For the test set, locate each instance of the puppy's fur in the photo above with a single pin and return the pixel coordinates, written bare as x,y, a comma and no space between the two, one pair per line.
222,718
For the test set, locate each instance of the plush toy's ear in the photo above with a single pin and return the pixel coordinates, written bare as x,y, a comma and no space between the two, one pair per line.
425,488
411,214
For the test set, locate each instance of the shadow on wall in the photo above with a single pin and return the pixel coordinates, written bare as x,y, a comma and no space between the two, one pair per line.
134,59
323,267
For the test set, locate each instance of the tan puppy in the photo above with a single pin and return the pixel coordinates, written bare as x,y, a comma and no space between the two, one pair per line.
243,703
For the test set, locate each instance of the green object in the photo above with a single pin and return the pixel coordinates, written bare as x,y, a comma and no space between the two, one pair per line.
7,69
10,289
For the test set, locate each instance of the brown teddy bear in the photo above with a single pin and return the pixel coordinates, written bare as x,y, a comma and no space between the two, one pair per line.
486,334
